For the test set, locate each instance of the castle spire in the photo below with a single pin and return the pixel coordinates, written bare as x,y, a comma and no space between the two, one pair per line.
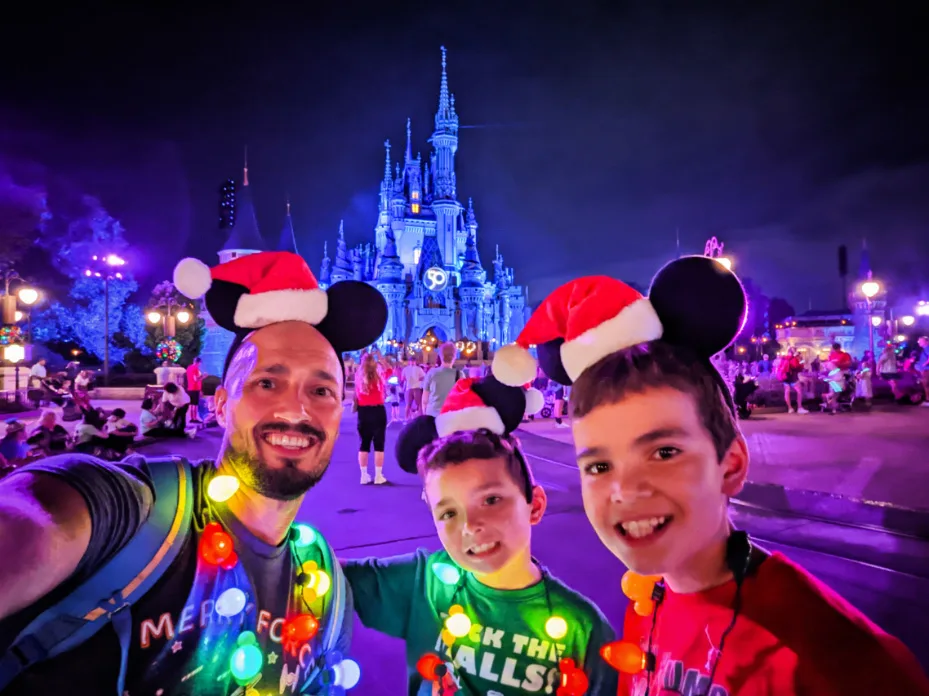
288,238
245,173
388,179
342,230
409,145
443,89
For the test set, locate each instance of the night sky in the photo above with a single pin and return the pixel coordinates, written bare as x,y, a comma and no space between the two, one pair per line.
590,135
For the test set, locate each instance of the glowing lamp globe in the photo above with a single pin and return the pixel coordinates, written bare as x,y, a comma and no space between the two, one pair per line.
876,321
153,317
922,309
28,296
908,321
222,488
556,627
183,316
870,288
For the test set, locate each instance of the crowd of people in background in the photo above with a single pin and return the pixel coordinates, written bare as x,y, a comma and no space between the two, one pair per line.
832,383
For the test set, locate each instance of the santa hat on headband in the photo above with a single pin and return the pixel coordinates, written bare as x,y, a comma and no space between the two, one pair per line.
270,287
693,301
279,286
471,404
593,316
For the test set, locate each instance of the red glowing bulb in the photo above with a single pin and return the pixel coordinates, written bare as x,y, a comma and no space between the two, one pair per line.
573,681
300,628
427,665
624,656
216,546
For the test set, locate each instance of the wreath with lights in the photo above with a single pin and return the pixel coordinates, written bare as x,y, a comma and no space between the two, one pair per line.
169,349
10,335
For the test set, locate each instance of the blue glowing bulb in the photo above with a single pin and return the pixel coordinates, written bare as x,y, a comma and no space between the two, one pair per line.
347,674
306,535
448,574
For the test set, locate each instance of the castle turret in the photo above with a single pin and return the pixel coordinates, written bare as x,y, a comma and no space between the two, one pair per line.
245,238
325,269
288,239
472,274
445,142
391,285
342,269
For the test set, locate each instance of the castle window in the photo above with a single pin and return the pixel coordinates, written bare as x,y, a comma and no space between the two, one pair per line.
415,206
416,252
415,195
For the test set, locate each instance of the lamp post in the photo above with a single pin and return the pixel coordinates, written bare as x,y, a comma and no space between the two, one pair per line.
15,353
173,313
107,265
870,288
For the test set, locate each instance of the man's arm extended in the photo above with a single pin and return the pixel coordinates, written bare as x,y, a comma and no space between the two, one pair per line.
44,531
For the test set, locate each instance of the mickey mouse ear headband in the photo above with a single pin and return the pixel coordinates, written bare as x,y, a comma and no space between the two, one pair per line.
694,301
471,404
253,291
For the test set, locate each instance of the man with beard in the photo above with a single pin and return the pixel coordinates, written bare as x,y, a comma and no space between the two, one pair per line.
232,598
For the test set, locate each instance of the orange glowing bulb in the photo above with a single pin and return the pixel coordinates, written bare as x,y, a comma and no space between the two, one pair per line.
637,587
300,628
644,607
624,656
216,546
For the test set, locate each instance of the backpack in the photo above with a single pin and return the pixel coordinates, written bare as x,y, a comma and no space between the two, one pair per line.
108,595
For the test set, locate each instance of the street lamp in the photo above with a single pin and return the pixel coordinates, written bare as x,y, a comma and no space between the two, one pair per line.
908,320
169,318
870,288
107,266
15,353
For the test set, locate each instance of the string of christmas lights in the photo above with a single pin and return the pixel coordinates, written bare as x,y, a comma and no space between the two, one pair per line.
433,668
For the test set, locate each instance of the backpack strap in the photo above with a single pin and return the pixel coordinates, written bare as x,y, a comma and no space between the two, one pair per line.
107,595
337,608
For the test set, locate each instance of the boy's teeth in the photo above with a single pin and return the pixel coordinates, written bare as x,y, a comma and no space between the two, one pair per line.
642,528
483,548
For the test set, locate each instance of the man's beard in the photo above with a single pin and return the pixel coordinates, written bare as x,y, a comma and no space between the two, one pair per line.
288,482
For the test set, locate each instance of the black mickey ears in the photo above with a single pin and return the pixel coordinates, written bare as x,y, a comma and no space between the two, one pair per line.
550,361
221,300
415,435
509,402
701,304
356,318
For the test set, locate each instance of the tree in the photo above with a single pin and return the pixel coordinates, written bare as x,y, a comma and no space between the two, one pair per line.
189,335
779,309
81,321
23,213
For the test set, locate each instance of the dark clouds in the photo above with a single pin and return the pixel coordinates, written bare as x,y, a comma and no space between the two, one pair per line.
783,128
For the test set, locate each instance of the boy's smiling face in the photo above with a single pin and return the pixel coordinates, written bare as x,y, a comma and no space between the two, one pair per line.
483,518
653,486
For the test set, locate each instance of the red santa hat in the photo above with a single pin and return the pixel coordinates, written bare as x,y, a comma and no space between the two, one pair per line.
594,316
465,410
273,287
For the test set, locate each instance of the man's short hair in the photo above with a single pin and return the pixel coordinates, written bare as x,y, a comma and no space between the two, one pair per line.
171,388
448,352
458,448
652,366
119,413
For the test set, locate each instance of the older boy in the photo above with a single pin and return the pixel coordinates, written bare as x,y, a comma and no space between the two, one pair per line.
521,622
660,454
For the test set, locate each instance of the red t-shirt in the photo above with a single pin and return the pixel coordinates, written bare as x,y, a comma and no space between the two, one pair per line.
194,378
373,394
794,635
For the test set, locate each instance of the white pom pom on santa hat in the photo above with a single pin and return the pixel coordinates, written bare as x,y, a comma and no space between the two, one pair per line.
535,400
514,365
192,278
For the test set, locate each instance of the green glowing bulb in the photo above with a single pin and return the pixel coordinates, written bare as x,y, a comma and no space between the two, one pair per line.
246,663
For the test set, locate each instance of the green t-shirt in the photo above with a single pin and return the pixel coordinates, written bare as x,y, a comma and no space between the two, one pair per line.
507,651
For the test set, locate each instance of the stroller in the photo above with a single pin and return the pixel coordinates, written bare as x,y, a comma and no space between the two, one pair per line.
742,390
840,391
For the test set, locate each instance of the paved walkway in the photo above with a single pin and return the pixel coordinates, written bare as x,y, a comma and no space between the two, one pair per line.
878,456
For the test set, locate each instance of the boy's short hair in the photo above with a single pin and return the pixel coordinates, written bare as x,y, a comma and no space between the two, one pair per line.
458,448
448,352
654,365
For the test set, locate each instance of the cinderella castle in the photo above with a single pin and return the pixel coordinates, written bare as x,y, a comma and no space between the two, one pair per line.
423,260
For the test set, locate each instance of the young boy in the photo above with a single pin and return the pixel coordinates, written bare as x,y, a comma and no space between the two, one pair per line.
521,622
660,455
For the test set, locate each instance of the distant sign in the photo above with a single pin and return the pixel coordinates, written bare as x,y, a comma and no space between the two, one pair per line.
435,279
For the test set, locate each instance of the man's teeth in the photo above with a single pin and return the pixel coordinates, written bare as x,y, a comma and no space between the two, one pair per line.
483,548
287,441
642,528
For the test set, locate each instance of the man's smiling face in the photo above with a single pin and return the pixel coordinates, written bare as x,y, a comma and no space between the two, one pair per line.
281,407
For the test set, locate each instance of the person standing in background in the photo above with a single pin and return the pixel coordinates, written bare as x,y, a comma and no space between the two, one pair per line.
372,418
412,378
439,381
194,387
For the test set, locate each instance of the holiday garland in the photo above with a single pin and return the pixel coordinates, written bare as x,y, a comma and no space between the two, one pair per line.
169,349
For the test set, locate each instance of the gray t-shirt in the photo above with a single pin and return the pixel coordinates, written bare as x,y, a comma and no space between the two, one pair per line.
438,384
169,620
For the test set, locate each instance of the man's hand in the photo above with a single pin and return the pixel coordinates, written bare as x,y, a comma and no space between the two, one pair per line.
44,531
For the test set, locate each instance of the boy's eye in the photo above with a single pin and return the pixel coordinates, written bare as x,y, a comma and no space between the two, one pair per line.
596,468
447,515
666,453
323,391
492,499
265,383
